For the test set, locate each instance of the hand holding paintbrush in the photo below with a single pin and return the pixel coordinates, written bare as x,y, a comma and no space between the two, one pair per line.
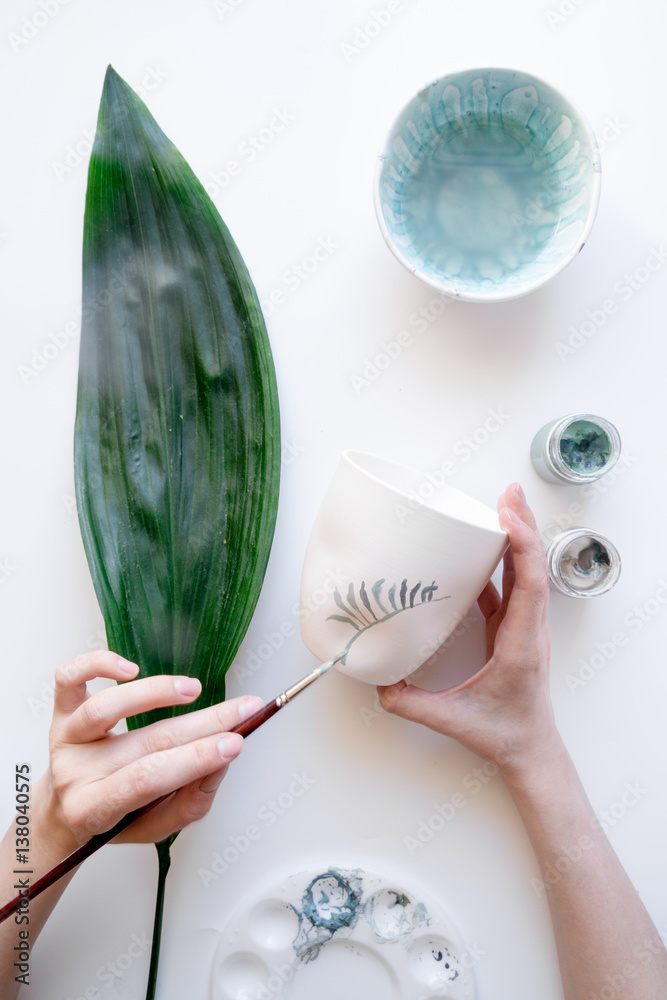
68,697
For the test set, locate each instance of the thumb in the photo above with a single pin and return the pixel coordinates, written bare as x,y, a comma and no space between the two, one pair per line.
430,708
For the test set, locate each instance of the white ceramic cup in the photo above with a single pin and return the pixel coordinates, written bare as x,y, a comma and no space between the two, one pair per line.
389,574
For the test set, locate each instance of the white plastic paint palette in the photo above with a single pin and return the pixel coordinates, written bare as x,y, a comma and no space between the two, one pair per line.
332,933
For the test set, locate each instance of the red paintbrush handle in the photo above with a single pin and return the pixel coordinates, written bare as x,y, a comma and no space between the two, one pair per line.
100,839
75,859
256,720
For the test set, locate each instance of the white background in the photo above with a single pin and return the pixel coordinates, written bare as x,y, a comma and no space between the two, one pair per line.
213,78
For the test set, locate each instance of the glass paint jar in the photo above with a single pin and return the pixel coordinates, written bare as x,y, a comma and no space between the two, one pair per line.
577,448
583,563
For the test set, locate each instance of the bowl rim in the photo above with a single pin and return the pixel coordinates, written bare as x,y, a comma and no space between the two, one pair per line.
443,285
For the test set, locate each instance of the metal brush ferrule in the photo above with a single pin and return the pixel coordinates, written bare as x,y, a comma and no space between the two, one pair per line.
300,685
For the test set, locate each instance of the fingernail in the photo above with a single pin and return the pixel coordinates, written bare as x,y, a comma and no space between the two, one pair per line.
510,515
127,666
249,706
230,746
211,781
519,492
187,686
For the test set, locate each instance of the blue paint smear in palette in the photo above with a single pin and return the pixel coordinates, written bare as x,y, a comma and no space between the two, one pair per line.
330,903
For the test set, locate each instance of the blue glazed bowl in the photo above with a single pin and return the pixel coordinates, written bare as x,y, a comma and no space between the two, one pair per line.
488,185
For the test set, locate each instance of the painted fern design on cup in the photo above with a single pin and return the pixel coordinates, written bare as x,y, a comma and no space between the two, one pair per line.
363,610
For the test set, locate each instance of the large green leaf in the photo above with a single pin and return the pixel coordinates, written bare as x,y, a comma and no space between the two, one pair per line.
177,441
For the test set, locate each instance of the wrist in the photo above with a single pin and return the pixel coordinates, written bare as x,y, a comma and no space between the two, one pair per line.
535,764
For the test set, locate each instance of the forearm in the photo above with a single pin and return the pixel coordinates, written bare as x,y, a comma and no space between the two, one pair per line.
604,935
48,846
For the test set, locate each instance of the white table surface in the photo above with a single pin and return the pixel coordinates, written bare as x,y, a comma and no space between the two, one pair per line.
213,78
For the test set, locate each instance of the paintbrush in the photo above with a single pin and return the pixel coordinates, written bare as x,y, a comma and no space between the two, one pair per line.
248,726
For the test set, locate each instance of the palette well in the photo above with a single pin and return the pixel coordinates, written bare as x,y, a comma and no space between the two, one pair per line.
330,932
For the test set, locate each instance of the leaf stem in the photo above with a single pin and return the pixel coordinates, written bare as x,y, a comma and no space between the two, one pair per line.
164,861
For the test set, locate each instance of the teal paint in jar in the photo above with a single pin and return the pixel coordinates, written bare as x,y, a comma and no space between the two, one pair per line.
577,448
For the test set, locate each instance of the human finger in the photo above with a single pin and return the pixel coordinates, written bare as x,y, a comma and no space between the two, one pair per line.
94,808
101,711
489,600
185,806
516,499
509,576
525,541
529,596
71,677
413,703
491,605
504,499
167,733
